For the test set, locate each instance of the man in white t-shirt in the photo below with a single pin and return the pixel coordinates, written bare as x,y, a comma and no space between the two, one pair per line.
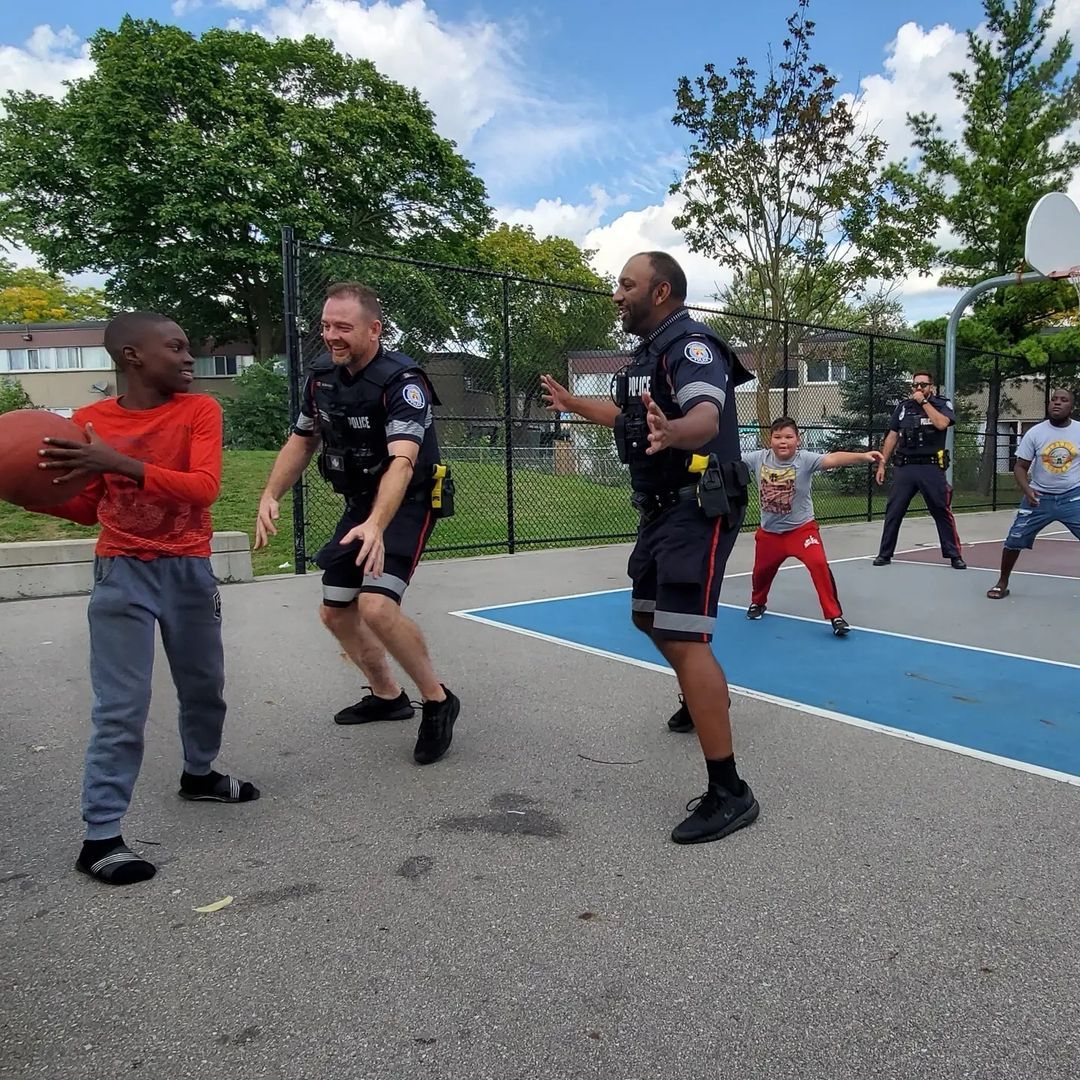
1048,471
784,474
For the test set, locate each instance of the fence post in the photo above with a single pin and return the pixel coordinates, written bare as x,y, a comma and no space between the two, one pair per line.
291,284
997,436
870,428
508,417
784,410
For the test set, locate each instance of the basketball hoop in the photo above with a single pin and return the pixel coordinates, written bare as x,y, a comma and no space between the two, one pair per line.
1072,276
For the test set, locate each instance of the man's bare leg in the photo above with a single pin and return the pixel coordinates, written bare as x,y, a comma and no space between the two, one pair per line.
403,640
1008,561
705,688
362,647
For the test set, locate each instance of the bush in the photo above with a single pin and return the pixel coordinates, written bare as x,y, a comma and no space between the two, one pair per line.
13,396
257,415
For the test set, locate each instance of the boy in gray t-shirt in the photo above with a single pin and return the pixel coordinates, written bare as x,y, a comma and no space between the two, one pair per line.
784,475
1047,471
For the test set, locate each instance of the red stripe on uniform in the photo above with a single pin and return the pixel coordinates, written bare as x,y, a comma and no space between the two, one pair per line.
952,518
712,568
420,545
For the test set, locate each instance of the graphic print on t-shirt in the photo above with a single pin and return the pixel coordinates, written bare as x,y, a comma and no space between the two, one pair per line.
777,489
1058,456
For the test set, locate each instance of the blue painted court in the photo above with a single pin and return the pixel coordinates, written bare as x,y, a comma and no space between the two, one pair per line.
1021,710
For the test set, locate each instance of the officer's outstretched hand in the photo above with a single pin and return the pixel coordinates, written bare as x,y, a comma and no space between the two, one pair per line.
556,396
660,432
875,457
264,522
370,556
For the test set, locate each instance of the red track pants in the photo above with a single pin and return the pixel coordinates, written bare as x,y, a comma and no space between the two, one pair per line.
804,544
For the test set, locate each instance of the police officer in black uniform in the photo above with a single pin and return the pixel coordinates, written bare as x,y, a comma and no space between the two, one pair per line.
673,412
369,410
916,444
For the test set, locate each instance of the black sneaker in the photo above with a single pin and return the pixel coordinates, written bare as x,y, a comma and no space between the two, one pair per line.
957,563
436,728
840,626
371,708
716,814
681,721
755,611
882,560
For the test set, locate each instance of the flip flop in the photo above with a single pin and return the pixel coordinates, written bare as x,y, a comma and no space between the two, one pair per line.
997,593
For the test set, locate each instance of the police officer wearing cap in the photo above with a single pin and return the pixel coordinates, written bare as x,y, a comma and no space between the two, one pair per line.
916,445
369,412
673,412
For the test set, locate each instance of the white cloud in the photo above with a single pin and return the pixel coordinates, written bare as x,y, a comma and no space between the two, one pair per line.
48,58
650,229
243,5
916,79
462,70
181,7
553,217
469,72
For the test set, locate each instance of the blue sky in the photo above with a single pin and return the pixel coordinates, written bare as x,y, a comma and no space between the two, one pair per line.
565,107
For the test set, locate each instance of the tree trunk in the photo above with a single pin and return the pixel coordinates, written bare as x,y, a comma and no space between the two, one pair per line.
264,326
988,458
769,360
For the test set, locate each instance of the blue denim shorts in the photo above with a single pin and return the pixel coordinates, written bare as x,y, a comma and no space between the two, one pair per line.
1062,508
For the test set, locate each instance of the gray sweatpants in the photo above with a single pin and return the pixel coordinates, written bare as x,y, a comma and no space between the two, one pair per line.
129,597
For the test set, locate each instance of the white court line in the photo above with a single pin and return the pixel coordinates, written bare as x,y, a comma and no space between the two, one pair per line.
799,706
469,613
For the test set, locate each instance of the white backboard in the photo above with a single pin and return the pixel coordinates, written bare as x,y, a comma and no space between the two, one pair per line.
1052,243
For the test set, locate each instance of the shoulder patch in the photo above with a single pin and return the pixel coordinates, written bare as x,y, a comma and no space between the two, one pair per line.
948,404
697,352
414,396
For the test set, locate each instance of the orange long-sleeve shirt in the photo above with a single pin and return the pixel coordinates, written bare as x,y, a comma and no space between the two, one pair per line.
180,444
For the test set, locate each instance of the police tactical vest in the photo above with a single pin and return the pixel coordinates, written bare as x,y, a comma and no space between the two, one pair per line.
918,436
667,470
352,422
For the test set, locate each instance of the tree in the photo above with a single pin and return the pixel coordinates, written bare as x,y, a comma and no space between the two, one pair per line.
33,296
785,186
13,396
563,306
1019,104
256,415
173,167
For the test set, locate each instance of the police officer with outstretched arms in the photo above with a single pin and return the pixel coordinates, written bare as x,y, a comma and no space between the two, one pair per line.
673,412
369,411
918,430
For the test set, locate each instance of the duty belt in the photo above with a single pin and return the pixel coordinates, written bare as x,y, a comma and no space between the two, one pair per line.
361,504
940,458
650,505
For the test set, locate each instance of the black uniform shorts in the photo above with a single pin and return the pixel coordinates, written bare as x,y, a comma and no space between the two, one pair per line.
404,541
677,567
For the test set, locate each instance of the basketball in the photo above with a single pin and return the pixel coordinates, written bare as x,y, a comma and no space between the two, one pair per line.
21,481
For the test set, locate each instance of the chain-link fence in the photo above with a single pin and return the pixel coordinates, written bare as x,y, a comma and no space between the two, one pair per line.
526,478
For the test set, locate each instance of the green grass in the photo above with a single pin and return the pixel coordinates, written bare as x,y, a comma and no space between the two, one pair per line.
546,507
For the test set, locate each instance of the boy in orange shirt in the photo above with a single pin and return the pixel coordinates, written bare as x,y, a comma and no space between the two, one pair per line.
155,458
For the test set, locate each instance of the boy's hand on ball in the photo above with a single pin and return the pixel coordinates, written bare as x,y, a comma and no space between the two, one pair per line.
82,459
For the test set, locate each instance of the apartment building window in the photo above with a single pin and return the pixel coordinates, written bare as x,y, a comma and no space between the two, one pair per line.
593,384
826,371
67,358
221,367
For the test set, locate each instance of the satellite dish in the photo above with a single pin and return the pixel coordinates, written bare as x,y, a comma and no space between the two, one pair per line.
1052,242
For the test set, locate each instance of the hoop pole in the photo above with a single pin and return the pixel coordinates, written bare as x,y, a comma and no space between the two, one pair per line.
950,338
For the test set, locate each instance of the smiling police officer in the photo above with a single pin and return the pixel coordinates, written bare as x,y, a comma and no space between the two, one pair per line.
369,409
917,433
675,426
